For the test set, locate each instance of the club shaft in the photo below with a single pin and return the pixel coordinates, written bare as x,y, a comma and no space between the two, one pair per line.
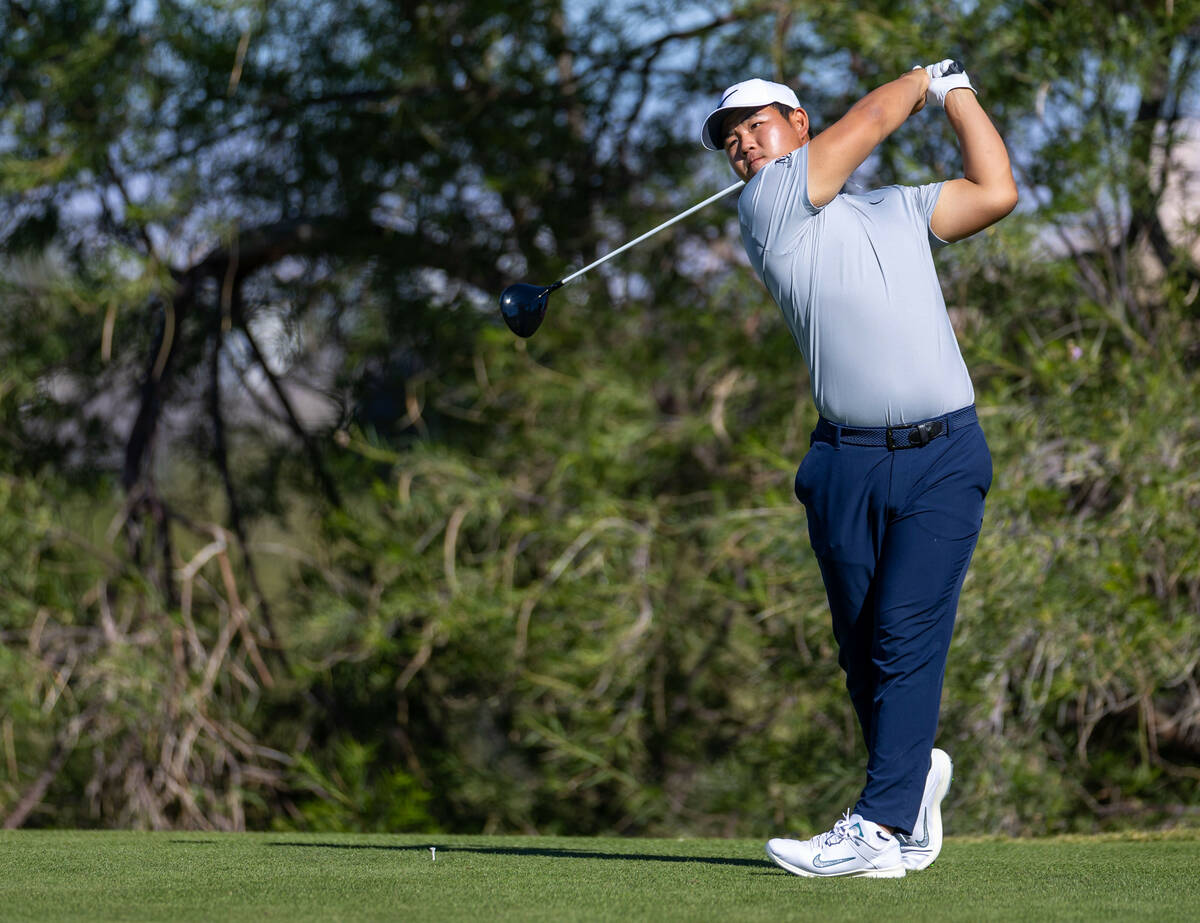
652,232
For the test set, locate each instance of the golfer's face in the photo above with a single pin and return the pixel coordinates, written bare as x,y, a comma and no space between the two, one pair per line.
758,138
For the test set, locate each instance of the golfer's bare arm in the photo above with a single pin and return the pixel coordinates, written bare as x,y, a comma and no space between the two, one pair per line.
986,191
837,151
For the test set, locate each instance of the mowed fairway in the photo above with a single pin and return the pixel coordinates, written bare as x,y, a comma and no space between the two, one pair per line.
94,876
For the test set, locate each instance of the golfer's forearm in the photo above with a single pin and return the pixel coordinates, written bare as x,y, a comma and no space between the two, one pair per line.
985,158
837,151
892,103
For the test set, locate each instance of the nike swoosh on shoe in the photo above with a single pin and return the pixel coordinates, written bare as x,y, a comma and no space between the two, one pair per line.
911,841
823,864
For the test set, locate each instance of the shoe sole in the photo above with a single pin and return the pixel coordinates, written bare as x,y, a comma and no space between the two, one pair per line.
896,871
920,859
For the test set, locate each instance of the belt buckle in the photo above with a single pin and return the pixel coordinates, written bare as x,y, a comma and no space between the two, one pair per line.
919,435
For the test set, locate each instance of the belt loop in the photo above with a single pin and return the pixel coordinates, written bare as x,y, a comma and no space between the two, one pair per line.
837,434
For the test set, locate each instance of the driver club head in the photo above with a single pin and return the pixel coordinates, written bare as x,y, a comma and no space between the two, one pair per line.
524,306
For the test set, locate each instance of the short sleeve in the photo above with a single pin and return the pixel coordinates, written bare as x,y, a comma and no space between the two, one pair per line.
775,202
926,199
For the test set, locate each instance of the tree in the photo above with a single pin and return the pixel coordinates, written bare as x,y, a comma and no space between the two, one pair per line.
298,533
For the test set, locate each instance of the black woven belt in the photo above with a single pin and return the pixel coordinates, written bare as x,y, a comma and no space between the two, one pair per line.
905,436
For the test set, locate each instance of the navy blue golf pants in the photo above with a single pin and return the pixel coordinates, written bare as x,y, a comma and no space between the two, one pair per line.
893,530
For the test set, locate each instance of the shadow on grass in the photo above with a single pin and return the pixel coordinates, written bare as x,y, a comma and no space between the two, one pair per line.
534,851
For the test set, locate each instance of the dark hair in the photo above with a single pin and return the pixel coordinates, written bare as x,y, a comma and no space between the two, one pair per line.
784,109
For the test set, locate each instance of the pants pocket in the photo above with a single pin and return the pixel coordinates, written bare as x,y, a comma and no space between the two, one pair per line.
952,507
810,471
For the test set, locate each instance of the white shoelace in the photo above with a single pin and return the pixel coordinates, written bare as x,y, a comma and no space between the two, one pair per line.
840,831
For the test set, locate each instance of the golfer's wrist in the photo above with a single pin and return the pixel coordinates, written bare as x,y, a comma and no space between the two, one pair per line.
960,99
922,80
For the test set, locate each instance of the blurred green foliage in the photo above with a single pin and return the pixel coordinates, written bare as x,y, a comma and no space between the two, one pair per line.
295,534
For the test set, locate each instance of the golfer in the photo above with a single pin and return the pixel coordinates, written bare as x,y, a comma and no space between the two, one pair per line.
898,468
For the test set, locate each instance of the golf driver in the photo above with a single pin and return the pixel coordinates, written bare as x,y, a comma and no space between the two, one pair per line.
524,306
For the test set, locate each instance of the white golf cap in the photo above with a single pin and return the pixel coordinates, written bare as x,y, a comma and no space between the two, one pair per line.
753,93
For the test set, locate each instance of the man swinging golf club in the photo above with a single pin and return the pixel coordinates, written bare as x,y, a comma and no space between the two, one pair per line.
898,468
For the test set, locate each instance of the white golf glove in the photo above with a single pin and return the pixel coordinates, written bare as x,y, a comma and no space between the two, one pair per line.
945,76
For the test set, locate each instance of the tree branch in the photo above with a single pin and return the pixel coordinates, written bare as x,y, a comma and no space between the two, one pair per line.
323,476
64,746
221,454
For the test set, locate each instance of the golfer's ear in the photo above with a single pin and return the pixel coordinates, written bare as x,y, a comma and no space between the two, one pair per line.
799,120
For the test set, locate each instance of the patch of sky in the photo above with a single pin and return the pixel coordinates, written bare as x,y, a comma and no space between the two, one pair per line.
144,12
620,27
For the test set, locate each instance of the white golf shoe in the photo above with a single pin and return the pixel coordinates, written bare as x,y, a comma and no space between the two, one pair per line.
853,847
921,847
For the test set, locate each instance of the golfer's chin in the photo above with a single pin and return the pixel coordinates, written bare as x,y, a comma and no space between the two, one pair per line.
748,170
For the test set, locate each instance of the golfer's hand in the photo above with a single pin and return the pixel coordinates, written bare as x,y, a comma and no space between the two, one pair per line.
944,77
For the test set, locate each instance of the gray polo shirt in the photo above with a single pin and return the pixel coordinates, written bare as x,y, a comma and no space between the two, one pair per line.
856,283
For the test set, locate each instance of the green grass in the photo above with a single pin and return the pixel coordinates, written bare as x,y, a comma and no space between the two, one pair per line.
95,876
